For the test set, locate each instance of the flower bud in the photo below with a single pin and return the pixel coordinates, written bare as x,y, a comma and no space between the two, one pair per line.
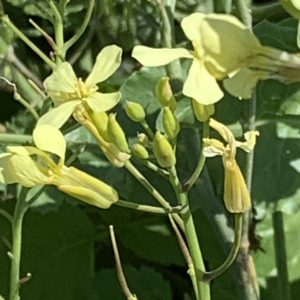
100,121
163,151
203,112
143,139
116,134
170,123
140,151
135,111
164,93
292,7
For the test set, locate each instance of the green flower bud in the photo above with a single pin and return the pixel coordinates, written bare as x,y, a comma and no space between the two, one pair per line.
163,151
100,121
135,111
170,123
116,134
292,7
203,112
164,93
140,151
143,139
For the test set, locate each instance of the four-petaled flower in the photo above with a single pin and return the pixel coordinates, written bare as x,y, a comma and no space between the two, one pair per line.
236,194
19,166
67,91
200,84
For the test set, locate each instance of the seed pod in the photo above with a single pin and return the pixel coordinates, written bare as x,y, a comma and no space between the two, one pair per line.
140,151
164,93
203,112
116,134
135,111
100,120
170,123
163,151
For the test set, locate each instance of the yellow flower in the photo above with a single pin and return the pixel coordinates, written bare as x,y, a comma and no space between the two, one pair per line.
67,91
236,194
18,166
200,84
231,49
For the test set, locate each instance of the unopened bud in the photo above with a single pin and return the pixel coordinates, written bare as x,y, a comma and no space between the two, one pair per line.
116,134
143,139
140,151
164,93
163,151
100,121
203,112
135,111
170,123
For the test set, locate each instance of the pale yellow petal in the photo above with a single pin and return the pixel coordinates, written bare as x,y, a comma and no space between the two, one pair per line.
236,194
6,174
152,57
201,85
27,172
213,147
191,26
100,102
107,62
50,139
58,115
242,84
61,80
248,145
227,43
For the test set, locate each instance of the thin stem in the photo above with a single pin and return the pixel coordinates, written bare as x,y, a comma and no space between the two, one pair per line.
187,256
59,34
120,273
244,12
82,28
203,288
234,250
6,215
141,207
131,168
147,128
20,210
8,138
153,167
283,286
201,161
5,19
42,10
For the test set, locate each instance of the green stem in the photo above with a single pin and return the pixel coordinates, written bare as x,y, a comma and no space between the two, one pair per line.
243,12
15,138
283,286
42,10
234,250
5,19
18,98
59,34
201,161
147,128
20,210
153,167
203,287
141,207
82,28
131,168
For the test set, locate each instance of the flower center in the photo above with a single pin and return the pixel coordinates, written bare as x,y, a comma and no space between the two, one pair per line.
80,88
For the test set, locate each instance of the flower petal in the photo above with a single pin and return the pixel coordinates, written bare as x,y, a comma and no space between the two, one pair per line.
100,102
242,84
61,80
27,172
213,147
201,85
250,137
58,115
6,174
191,26
227,43
152,57
107,62
50,139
